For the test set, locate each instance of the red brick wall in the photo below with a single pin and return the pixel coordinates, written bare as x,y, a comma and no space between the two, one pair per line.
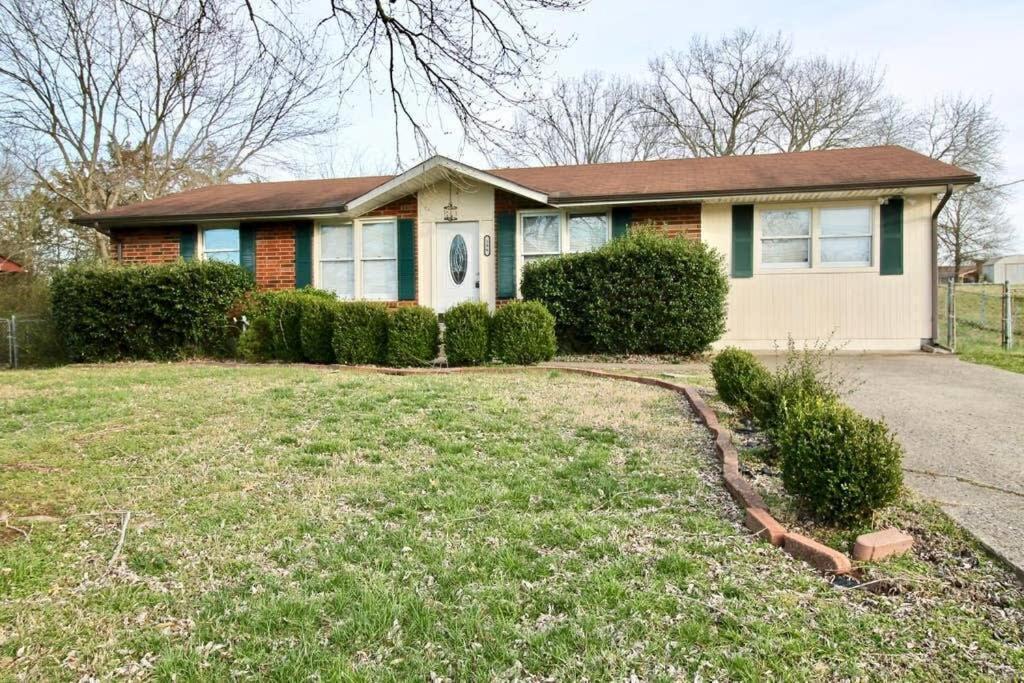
147,245
275,256
677,220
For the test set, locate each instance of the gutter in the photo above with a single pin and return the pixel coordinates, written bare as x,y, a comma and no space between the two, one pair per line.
935,262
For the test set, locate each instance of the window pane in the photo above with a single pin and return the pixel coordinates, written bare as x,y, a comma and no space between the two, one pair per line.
846,250
850,221
540,234
792,223
220,239
225,256
785,251
380,240
339,277
380,280
587,233
336,242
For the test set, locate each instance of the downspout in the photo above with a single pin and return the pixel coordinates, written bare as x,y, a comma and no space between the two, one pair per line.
935,262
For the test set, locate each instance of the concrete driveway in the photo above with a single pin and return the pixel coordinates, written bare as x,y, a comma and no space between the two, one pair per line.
963,429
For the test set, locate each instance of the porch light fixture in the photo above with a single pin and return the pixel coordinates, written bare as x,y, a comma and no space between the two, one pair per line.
450,211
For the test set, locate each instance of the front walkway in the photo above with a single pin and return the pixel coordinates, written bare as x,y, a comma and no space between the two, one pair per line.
962,426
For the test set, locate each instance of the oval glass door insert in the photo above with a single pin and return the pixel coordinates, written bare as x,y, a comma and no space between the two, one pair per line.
458,259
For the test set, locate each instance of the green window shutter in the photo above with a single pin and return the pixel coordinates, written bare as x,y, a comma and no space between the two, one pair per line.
621,217
188,241
406,259
303,255
892,237
506,233
247,247
743,240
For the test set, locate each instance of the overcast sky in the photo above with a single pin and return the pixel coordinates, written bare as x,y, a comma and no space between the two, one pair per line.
926,48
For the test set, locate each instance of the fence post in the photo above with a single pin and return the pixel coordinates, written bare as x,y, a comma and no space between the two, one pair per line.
950,316
1007,316
12,335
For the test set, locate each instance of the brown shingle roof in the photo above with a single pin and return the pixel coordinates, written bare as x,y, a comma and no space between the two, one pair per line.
850,168
866,167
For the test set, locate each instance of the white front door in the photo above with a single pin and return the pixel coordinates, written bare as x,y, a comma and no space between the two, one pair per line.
457,261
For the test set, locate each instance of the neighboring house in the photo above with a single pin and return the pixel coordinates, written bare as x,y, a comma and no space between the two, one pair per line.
9,267
827,244
1005,268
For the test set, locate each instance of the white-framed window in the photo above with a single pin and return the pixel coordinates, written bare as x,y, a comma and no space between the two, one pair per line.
337,260
786,238
379,260
845,235
588,231
542,235
222,243
359,260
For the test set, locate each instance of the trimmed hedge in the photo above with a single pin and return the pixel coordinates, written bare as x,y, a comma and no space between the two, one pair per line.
316,328
523,333
360,333
644,293
413,337
467,334
159,312
840,465
740,379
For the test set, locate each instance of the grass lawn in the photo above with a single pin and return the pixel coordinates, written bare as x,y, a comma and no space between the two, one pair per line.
291,523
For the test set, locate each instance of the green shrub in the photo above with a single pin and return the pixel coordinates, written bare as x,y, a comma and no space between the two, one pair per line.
645,293
467,334
840,465
523,333
256,343
802,375
159,312
360,333
413,336
740,379
317,328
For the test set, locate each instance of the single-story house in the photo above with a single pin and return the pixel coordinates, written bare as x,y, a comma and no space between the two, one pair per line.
1005,269
833,244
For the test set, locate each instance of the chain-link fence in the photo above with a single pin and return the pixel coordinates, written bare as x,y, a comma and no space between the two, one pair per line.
982,316
29,342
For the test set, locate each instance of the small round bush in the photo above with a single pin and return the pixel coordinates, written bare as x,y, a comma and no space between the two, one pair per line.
467,333
840,465
360,333
523,333
316,328
413,336
739,378
256,343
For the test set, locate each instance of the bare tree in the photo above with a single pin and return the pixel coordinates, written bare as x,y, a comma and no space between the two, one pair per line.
714,99
585,120
107,102
433,60
964,131
818,103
